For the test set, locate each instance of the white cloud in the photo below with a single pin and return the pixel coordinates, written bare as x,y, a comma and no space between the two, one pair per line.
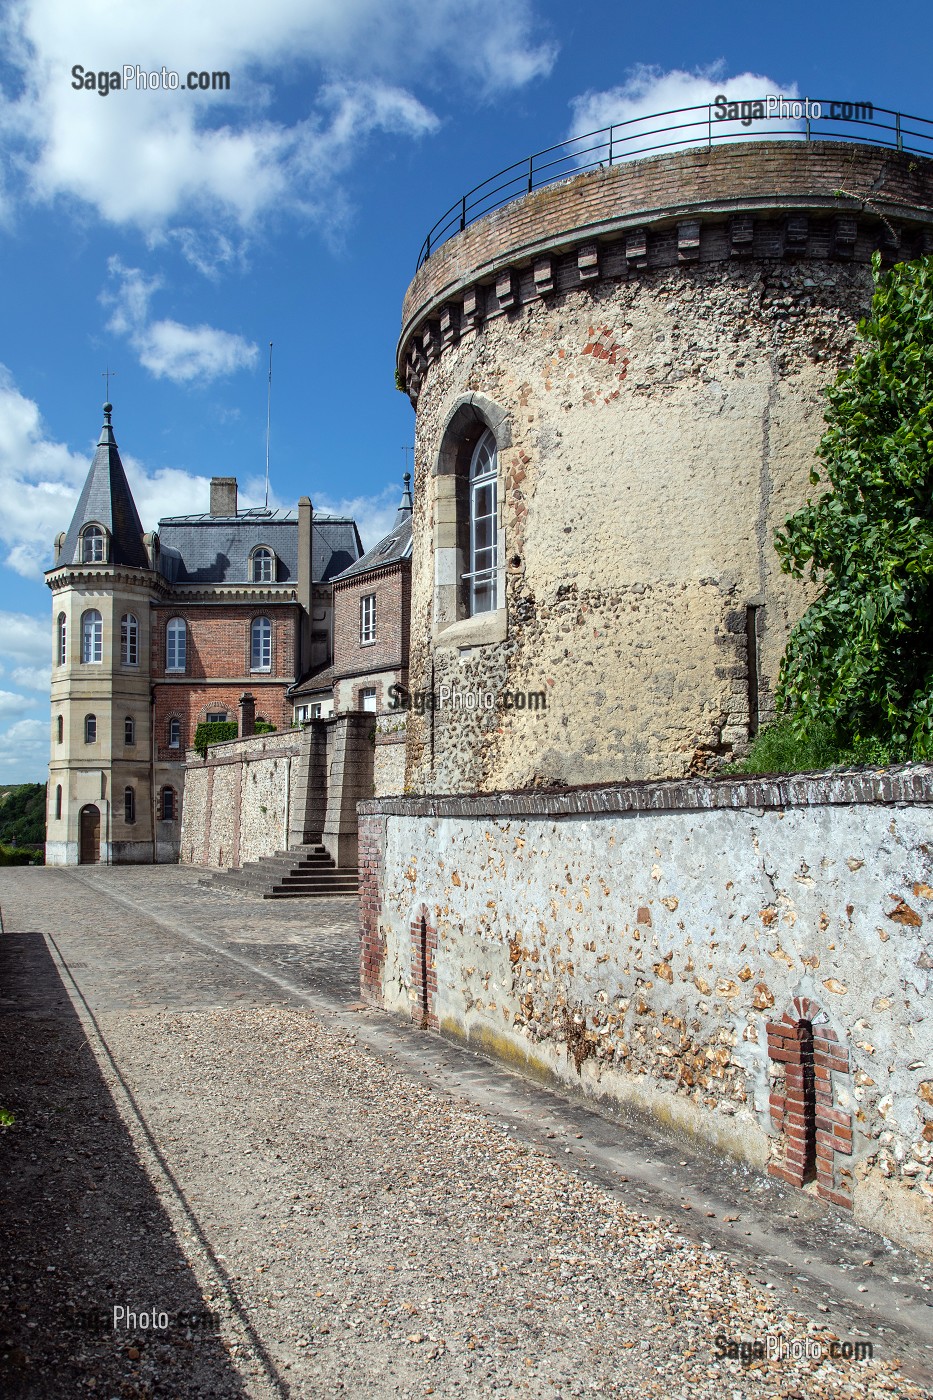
374,515
40,482
13,704
649,90
153,158
168,349
24,752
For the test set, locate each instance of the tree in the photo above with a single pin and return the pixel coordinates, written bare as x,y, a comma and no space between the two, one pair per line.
861,657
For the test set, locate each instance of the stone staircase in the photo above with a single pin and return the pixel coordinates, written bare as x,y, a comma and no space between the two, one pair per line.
302,872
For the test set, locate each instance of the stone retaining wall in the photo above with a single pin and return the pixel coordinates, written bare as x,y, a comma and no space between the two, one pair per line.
236,799
746,960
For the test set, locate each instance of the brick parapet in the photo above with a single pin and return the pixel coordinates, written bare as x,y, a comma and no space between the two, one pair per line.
908,783
770,199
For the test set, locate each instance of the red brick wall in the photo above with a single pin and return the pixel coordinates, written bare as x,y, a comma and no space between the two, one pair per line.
424,969
371,837
749,175
392,587
218,649
814,1130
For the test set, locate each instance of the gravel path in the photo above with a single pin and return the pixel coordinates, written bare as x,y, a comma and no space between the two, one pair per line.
191,1140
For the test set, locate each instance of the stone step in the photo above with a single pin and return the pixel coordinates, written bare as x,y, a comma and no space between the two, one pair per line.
305,871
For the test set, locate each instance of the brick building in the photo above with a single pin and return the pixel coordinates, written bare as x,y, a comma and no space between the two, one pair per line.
370,647
156,633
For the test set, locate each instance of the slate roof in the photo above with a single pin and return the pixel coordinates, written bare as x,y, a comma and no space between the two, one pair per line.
313,683
107,500
216,548
396,544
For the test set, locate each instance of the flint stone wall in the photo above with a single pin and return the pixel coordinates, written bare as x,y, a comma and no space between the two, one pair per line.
650,946
651,344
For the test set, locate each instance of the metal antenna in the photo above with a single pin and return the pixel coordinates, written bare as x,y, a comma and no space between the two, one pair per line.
268,422
108,374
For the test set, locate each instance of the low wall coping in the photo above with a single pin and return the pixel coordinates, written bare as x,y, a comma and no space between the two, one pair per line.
248,748
906,783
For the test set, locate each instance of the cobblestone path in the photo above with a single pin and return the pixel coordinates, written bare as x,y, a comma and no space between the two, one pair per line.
225,1178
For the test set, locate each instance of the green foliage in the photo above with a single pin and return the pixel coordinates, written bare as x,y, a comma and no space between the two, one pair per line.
860,661
7,1119
215,733
264,727
22,815
400,383
18,855
787,747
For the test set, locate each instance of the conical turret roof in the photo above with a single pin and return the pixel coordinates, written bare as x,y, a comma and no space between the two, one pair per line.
107,500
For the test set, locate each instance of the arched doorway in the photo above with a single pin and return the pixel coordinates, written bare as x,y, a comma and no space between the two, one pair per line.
90,835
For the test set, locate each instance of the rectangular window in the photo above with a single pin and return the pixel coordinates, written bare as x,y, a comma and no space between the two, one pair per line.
168,804
368,699
368,619
316,710
129,730
216,716
129,805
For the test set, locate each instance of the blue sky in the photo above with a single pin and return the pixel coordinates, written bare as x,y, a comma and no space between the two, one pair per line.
172,235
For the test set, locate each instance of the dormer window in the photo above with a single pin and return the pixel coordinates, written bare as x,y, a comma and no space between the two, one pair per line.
262,565
93,545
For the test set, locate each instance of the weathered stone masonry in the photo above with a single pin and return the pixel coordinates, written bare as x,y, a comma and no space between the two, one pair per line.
650,345
747,961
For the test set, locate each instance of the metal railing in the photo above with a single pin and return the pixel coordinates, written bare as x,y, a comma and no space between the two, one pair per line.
709,124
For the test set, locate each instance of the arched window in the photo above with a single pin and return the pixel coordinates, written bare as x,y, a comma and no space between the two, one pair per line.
129,640
60,727
93,545
90,729
483,525
174,733
167,804
260,644
61,645
92,637
176,645
129,730
58,803
129,805
262,565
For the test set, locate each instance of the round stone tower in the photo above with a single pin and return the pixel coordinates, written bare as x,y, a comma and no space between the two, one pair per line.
618,386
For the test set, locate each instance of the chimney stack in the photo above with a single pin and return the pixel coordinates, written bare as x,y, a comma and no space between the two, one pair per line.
223,495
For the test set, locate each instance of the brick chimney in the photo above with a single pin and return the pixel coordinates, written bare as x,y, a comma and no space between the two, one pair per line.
247,715
223,495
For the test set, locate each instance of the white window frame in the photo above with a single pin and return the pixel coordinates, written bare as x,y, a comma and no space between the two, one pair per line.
90,729
176,645
92,638
368,620
260,644
216,717
129,640
482,575
174,732
262,565
62,639
368,693
93,545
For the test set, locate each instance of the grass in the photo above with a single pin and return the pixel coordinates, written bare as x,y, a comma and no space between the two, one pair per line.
777,749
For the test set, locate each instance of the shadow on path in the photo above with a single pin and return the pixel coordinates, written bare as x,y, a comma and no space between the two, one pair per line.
84,1230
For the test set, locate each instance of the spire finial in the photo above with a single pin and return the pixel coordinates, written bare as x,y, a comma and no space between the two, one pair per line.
108,374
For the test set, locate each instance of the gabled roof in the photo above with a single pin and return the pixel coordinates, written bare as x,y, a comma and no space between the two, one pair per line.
394,546
107,500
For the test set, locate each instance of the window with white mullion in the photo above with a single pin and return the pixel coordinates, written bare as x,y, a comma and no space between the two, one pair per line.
368,619
261,645
483,526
